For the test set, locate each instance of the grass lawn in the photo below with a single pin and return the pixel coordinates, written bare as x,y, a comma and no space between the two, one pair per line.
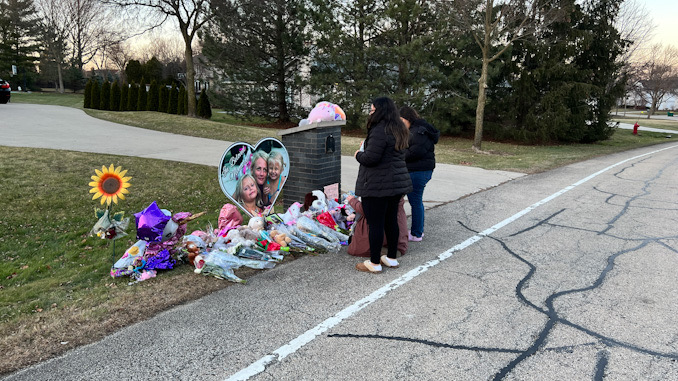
644,122
56,292
49,98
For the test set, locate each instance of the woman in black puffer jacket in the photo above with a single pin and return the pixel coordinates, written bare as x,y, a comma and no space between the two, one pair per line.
421,160
383,180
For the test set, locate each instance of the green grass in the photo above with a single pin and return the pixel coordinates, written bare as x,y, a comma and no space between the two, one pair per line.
49,98
644,122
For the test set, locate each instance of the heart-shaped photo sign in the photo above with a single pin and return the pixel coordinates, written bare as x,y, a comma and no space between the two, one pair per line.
252,177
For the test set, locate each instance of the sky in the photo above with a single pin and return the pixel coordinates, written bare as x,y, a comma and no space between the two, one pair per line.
664,14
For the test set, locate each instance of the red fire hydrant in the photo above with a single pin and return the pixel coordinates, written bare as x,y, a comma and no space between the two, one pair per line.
635,128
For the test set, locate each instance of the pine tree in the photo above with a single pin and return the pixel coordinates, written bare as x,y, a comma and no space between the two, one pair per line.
19,41
163,97
153,97
562,84
105,96
124,93
96,95
133,97
265,74
87,102
142,98
173,106
204,107
115,96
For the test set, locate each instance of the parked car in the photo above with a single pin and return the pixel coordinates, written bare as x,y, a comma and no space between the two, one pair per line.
5,91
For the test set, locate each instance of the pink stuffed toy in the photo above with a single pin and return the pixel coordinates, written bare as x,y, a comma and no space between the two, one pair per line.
322,112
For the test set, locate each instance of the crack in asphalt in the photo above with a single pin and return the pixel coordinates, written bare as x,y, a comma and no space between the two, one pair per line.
549,310
427,342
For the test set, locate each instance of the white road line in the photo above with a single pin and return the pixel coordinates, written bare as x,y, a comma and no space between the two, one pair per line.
294,345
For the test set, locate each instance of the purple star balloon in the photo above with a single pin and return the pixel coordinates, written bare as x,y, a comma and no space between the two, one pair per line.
150,223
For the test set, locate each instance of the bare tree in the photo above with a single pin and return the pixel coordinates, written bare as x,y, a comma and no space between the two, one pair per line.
190,15
635,25
92,29
658,72
495,26
54,25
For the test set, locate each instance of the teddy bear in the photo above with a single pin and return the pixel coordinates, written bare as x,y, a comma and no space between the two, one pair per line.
247,233
280,238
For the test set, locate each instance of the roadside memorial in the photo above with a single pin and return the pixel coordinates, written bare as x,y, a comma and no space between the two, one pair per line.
249,233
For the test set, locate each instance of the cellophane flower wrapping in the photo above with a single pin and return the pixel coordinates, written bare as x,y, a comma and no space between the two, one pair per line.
314,241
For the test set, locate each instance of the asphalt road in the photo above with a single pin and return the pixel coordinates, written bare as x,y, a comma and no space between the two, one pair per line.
571,274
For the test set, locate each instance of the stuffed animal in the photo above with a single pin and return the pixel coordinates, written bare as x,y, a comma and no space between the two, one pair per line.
322,112
248,233
280,238
293,212
257,223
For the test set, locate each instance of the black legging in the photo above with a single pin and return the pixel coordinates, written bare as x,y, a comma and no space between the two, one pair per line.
382,217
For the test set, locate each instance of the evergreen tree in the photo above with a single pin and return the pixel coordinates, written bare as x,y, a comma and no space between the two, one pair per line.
124,93
19,40
133,97
96,95
182,101
163,99
173,107
142,98
152,70
87,102
115,96
105,96
564,83
204,107
134,71
153,97
262,61
346,68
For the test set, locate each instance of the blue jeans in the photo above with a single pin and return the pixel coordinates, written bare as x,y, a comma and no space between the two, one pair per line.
416,200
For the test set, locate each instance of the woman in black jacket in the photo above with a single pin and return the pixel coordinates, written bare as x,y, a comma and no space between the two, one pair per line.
382,180
421,160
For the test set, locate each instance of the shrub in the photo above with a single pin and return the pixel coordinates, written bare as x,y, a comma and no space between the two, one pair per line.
173,106
96,95
142,97
204,107
124,92
162,99
87,103
115,96
132,97
153,95
105,96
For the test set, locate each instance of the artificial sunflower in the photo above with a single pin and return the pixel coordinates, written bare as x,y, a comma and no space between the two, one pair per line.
109,184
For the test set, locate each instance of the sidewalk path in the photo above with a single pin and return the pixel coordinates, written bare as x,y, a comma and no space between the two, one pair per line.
627,126
65,128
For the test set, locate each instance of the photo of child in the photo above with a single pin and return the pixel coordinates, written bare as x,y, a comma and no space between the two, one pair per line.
276,179
267,164
248,195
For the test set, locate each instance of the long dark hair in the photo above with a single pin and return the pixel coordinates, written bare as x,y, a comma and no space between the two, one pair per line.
385,110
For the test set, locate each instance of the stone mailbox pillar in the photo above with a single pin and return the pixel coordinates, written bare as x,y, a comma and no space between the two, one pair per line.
315,159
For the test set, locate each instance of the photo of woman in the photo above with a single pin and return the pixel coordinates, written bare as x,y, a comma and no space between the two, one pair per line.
267,164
